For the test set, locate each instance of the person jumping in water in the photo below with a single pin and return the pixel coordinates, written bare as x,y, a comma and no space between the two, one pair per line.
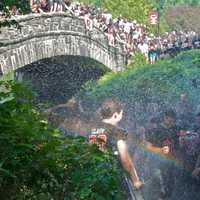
111,113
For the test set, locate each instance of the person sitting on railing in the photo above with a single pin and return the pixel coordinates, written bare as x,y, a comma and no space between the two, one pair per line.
61,5
88,22
57,5
103,26
96,22
34,4
127,29
44,6
14,11
38,6
111,34
76,9
51,4
123,40
67,4
54,6
107,17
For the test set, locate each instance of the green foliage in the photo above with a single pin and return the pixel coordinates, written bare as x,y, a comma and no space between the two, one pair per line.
196,61
183,17
37,163
137,60
160,84
7,77
131,9
23,5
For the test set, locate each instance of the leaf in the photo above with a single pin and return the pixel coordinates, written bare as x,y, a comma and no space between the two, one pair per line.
7,173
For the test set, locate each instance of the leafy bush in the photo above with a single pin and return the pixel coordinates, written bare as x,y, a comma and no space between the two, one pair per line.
36,162
183,17
138,59
145,87
23,5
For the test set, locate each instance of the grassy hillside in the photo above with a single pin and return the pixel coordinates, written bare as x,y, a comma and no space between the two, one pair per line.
149,88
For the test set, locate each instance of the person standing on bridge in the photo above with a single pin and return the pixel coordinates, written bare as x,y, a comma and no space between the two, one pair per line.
88,22
38,6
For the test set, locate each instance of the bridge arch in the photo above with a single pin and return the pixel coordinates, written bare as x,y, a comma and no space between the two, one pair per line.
54,34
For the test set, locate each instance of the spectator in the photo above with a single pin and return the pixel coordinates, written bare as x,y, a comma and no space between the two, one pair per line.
152,53
34,6
111,38
144,48
51,4
37,6
107,17
55,5
88,22
14,11
43,6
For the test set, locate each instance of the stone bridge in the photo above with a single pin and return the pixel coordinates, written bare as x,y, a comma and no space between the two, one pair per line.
54,34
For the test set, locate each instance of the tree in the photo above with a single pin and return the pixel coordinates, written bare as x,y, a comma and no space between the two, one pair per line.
23,5
37,162
183,17
131,9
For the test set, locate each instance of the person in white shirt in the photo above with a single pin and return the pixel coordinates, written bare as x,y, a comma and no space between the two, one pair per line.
108,17
88,22
127,27
144,48
121,22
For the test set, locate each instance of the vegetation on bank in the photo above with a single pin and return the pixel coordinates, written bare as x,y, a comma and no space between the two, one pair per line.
143,86
37,162
23,5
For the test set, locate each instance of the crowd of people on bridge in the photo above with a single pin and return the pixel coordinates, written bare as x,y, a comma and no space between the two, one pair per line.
131,35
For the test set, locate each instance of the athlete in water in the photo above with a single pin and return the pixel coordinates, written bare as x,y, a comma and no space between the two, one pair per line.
111,113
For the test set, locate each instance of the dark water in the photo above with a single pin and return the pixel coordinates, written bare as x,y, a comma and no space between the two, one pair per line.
56,80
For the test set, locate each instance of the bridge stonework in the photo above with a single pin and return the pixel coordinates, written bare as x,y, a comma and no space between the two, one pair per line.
54,34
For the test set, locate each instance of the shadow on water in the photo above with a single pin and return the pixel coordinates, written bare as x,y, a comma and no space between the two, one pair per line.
55,80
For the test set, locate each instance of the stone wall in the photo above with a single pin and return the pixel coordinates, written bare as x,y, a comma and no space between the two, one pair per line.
54,34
